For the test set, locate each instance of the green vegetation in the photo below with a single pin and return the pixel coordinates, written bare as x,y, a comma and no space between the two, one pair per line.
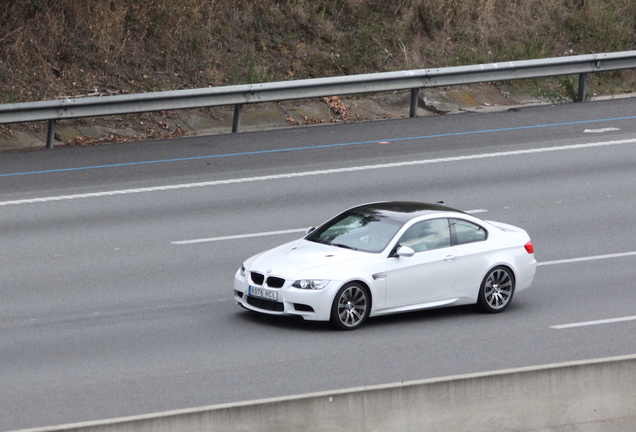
53,48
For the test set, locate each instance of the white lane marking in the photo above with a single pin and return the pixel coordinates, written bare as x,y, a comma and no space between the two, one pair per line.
476,211
609,129
320,172
590,323
240,236
262,234
589,258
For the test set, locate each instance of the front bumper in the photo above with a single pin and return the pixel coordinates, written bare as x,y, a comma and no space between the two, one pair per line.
311,305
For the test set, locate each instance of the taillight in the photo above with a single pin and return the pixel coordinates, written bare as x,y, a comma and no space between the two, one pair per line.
529,247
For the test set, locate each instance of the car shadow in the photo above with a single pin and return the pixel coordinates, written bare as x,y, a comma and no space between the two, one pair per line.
283,322
462,313
467,313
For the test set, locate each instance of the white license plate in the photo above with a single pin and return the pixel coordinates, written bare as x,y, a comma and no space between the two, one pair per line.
263,293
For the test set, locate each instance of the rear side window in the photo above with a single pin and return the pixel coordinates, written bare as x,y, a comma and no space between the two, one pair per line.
468,232
427,235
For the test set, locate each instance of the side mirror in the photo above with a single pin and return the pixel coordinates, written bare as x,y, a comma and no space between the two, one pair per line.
309,230
405,252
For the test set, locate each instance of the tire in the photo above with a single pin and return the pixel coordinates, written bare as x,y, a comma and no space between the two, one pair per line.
351,306
496,290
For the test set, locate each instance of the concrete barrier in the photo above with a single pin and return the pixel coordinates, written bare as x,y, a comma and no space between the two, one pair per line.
597,395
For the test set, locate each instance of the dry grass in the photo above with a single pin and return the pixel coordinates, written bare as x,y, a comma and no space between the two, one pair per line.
54,48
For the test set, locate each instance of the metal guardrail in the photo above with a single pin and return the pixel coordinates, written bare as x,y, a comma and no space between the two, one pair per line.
239,95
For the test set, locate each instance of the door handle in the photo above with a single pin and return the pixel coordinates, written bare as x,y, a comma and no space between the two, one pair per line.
450,257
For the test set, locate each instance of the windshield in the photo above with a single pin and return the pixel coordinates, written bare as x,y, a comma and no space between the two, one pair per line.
364,232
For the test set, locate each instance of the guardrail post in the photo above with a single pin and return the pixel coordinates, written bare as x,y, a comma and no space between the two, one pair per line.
414,96
50,136
238,110
582,87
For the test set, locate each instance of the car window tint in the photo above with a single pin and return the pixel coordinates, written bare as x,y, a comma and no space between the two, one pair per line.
427,235
363,232
348,224
468,232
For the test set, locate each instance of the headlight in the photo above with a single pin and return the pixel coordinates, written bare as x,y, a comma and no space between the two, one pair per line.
313,284
242,270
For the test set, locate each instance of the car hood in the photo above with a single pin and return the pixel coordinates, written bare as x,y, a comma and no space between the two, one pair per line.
305,259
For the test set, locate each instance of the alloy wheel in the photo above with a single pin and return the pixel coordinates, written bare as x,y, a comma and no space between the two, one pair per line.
352,306
498,288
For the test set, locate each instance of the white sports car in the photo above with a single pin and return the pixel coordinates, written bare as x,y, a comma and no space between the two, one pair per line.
385,258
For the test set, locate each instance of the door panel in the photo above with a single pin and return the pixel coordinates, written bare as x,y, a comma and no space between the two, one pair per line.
430,273
426,276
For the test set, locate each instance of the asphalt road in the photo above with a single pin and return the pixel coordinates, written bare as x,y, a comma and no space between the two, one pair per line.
103,315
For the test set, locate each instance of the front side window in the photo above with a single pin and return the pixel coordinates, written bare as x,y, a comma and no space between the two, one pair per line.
468,232
364,232
427,235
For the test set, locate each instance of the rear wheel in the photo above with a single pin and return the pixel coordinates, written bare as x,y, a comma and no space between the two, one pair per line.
496,290
351,306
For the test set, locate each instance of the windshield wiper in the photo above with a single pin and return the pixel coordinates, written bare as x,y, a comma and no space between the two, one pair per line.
343,246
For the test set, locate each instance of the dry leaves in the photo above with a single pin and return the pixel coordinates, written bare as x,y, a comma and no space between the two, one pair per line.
338,107
309,120
116,138
335,104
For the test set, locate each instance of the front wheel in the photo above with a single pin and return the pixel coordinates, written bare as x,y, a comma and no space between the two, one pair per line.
350,306
496,290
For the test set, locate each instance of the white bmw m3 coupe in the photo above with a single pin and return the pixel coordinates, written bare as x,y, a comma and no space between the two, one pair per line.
385,258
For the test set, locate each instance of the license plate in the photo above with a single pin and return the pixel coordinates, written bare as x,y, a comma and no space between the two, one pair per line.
263,293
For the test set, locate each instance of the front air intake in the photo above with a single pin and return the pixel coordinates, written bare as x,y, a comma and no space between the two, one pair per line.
265,304
303,308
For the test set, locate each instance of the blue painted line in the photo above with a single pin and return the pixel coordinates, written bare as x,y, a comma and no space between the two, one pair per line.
318,146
